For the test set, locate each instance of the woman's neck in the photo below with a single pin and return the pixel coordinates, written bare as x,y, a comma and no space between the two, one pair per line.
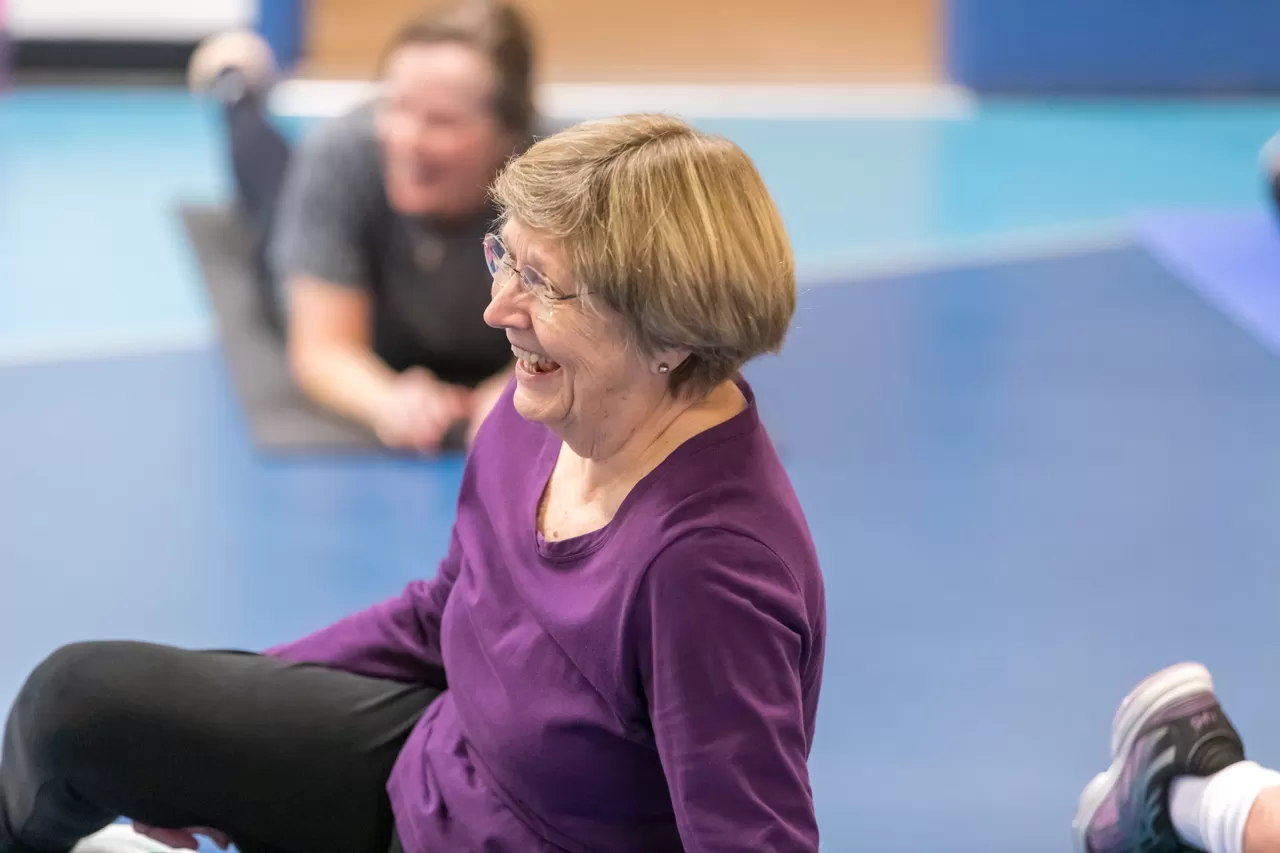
642,448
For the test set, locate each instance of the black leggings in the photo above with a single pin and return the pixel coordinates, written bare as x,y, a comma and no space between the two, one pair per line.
283,758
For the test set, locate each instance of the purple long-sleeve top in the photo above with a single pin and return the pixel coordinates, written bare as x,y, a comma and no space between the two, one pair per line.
651,686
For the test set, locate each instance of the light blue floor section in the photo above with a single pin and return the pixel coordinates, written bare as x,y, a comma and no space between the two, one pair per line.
90,246
1030,483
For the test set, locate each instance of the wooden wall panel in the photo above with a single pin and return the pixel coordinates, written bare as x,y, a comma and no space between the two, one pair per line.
647,41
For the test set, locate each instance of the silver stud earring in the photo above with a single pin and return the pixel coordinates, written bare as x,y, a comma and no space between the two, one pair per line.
662,368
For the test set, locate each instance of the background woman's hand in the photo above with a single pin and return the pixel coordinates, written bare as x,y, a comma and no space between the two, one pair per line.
419,411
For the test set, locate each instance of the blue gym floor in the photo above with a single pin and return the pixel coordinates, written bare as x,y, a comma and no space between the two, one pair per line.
1033,478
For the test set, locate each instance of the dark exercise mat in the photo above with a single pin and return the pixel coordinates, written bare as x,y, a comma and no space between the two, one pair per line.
280,417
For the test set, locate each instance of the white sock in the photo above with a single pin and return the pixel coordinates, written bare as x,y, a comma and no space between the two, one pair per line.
1210,813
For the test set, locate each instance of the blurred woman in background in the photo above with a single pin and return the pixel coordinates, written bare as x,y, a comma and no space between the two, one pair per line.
369,233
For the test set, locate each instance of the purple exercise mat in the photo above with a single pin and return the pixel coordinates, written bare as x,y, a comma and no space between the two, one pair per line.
1232,259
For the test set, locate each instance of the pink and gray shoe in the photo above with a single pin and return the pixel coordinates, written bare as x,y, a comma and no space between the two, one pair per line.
1171,725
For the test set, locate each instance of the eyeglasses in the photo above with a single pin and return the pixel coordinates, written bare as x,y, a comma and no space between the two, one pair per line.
502,263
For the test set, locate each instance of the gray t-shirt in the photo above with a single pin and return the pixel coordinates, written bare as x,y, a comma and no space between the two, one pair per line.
428,282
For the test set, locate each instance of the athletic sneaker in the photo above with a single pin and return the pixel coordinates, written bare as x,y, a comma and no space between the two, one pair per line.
1171,725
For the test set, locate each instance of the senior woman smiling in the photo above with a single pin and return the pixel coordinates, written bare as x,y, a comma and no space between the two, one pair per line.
622,649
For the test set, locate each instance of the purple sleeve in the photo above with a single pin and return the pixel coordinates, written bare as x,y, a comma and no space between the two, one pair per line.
722,635
398,639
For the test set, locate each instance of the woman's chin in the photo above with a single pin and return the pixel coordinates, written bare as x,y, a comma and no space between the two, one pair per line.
534,403
529,410
414,200
411,198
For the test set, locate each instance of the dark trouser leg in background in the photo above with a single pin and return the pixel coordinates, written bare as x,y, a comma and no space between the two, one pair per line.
284,758
259,161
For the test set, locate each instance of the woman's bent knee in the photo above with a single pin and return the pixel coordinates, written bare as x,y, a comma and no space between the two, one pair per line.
79,694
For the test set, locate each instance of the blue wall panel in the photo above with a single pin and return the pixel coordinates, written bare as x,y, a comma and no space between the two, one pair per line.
283,24
1114,46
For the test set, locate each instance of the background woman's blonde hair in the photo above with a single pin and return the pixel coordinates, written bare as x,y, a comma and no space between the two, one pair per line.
671,228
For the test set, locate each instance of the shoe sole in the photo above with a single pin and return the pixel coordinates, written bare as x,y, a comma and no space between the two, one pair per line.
1148,699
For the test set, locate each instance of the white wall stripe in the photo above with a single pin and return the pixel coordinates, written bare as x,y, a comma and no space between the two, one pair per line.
570,101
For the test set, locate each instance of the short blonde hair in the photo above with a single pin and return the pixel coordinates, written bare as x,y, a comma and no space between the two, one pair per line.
671,228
